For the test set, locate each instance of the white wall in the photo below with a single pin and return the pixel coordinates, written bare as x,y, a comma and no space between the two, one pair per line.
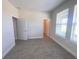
64,42
9,8
8,39
34,21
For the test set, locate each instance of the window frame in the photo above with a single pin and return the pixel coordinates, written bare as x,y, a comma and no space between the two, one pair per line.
61,15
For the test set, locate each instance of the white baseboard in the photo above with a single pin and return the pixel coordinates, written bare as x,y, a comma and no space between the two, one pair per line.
67,49
8,50
36,37
32,38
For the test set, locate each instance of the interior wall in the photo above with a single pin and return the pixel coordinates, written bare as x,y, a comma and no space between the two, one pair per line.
64,42
8,40
34,21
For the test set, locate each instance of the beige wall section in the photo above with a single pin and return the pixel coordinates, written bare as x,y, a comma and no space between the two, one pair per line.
9,8
8,39
32,14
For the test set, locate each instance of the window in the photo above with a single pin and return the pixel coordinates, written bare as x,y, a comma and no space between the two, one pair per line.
61,23
74,26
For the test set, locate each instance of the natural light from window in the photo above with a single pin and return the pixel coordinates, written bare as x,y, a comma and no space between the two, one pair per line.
61,23
74,26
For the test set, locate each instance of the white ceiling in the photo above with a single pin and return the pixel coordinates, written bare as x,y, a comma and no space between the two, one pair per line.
36,5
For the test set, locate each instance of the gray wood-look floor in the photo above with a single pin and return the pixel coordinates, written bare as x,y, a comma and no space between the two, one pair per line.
38,49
